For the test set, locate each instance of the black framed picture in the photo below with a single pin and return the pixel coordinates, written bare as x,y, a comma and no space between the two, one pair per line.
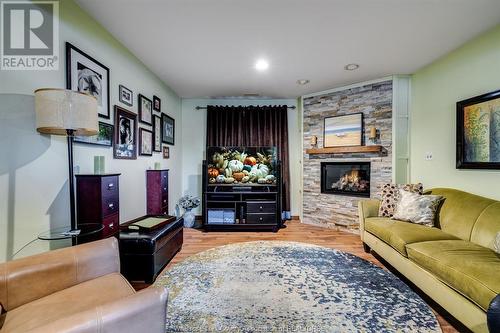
478,132
125,146
166,152
87,75
157,133
168,129
125,95
345,130
103,138
145,142
156,103
145,110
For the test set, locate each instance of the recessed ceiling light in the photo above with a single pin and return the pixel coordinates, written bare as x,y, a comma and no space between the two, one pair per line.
351,67
261,65
303,82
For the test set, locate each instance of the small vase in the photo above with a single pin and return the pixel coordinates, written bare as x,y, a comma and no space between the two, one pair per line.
188,218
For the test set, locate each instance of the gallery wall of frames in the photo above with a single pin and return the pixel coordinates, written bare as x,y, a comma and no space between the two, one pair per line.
142,129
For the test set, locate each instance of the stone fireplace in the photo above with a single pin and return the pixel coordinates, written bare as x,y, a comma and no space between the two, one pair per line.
333,183
346,178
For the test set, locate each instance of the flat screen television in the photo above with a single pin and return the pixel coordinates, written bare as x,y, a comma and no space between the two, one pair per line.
242,165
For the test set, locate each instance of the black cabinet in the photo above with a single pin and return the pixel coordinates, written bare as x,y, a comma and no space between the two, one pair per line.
228,207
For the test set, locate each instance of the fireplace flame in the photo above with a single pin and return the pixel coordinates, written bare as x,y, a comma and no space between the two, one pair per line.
351,181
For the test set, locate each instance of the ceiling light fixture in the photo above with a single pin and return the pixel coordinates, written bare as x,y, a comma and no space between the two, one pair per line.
351,67
261,65
303,82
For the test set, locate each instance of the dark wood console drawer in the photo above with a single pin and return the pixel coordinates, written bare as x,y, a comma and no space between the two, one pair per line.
111,225
109,186
261,219
261,207
110,206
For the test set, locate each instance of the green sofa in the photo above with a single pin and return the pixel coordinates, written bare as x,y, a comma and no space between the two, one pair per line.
454,262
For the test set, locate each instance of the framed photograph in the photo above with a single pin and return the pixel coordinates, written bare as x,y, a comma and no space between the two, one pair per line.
126,96
87,75
166,152
157,133
342,131
145,142
103,138
478,132
145,110
125,146
168,129
156,103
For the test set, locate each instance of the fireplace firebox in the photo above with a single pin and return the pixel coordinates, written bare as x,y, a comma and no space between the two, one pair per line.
346,178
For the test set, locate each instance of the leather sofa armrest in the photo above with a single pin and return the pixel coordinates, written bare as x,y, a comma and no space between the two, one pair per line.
367,208
27,279
144,311
493,315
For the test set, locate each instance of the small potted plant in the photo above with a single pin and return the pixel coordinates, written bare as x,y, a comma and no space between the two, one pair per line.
188,202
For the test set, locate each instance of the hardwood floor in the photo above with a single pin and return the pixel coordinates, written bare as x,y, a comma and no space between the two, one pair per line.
196,241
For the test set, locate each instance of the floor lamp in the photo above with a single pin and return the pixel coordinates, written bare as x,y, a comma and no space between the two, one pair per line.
69,113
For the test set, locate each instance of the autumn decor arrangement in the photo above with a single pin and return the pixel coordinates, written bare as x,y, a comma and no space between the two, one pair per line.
241,165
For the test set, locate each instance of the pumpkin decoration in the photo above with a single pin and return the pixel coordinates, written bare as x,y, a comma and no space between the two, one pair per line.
235,166
229,180
245,179
220,179
238,176
213,172
260,170
247,168
250,160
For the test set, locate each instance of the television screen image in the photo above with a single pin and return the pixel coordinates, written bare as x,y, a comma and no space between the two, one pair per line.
242,165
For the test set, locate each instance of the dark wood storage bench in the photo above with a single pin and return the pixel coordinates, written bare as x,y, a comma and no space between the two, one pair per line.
146,251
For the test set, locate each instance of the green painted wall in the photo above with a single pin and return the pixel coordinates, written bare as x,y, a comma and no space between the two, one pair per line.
33,167
471,70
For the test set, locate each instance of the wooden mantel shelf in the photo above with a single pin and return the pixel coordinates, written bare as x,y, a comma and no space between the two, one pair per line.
346,150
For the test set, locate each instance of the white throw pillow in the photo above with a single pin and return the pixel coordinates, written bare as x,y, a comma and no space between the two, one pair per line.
417,208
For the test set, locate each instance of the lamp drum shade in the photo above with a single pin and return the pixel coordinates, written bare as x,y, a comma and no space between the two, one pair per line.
59,110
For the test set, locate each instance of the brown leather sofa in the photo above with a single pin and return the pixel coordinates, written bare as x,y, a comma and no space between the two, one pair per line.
77,289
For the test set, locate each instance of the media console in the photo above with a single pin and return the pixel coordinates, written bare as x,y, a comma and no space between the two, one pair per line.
240,207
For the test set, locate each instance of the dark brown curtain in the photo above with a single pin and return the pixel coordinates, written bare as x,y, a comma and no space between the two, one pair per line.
252,126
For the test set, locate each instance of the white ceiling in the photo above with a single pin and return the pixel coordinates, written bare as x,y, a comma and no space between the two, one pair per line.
207,48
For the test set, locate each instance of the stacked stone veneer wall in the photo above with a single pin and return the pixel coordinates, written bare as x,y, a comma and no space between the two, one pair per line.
375,102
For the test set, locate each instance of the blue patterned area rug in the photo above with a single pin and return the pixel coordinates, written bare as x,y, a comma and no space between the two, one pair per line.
289,287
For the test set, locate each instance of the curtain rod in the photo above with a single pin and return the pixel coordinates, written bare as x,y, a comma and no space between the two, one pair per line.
293,107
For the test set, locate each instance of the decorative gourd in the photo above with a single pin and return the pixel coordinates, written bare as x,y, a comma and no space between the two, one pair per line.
246,172
238,175
250,160
235,166
245,179
229,180
260,170
270,179
228,172
262,181
253,175
211,180
220,179
213,172
247,168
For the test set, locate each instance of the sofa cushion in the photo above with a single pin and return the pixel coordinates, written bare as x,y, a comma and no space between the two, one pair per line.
398,233
459,211
470,269
66,302
487,227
